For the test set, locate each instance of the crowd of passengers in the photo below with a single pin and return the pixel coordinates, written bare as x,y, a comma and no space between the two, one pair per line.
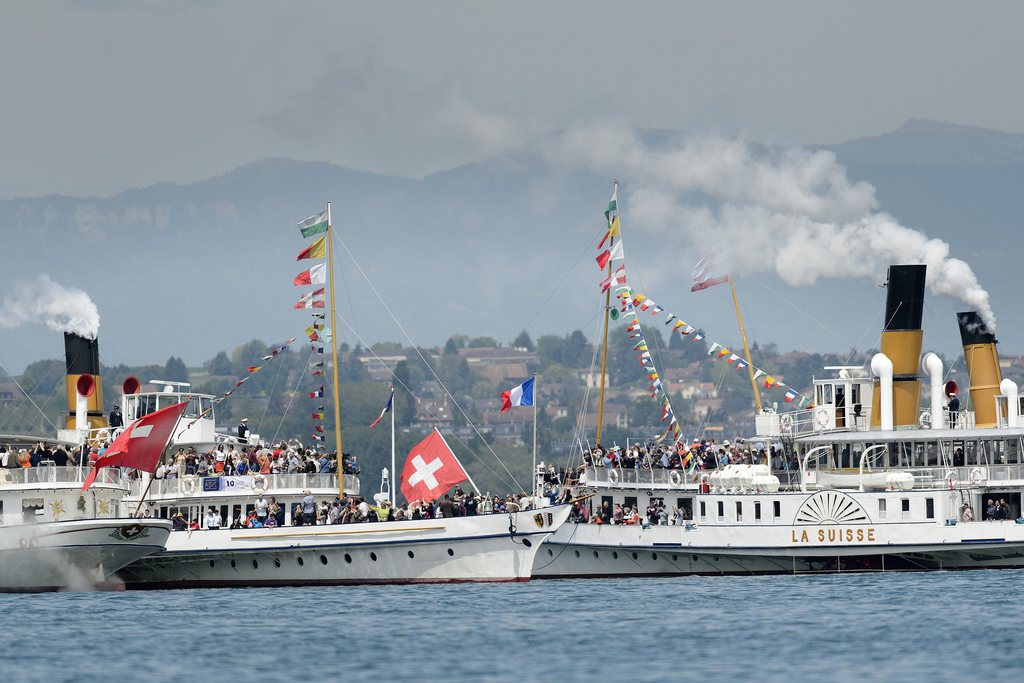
268,512
704,454
42,454
232,460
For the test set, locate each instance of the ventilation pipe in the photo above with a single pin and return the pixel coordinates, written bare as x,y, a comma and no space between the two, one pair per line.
881,366
901,343
982,367
931,364
1009,389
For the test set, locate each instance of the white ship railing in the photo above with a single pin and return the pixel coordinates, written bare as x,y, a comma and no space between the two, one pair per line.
51,474
177,486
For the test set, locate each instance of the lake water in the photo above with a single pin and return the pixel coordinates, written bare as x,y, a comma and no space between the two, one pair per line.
961,626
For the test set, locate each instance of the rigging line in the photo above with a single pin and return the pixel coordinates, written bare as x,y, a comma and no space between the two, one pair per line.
270,395
424,360
348,295
25,393
514,483
867,330
581,415
565,276
800,310
291,399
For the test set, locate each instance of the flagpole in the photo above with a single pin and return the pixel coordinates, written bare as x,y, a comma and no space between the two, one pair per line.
746,349
469,478
334,351
534,474
393,499
142,498
604,345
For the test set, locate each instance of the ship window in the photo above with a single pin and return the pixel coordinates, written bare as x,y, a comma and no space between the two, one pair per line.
721,510
825,394
757,511
147,405
206,408
777,508
192,409
703,511
929,508
739,511
31,508
881,508
905,508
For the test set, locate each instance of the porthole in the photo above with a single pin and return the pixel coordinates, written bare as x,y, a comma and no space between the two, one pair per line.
348,558
451,553
211,563
323,559
635,556
373,557
232,564
551,553
255,564
694,558
675,558
596,556
654,556
615,554
411,554
300,561
277,562
577,553
528,543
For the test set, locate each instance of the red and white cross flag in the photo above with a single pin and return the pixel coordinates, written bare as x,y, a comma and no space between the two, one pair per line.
431,469
141,444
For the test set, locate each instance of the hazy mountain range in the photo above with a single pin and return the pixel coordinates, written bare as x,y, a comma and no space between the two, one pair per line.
484,249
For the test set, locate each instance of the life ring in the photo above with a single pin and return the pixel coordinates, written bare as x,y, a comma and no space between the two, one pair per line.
977,475
925,420
675,478
259,483
613,476
952,478
786,424
188,484
705,486
821,418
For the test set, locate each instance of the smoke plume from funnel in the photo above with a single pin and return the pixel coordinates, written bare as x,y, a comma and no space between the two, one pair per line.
793,212
62,309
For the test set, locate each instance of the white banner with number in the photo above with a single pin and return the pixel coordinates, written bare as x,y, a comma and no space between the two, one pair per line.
235,483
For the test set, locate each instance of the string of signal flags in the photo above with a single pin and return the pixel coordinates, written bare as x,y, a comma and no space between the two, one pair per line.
632,301
317,332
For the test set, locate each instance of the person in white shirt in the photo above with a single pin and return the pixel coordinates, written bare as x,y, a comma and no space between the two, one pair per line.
261,508
213,519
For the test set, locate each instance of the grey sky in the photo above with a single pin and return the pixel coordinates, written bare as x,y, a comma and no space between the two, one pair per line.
104,96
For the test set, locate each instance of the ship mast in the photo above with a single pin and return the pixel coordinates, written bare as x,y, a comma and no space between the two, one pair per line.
746,349
604,344
334,352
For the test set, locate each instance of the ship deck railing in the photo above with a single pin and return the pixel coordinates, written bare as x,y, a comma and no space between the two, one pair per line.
176,487
46,473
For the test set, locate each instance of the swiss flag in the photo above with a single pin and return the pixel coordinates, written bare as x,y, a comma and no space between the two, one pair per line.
431,469
141,445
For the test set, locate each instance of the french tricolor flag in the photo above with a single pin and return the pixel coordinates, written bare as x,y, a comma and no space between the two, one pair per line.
521,395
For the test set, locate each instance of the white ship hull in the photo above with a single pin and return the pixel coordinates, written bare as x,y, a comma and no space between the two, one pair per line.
460,549
592,551
74,555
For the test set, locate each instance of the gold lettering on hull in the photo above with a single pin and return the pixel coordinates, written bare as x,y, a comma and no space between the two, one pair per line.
834,535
